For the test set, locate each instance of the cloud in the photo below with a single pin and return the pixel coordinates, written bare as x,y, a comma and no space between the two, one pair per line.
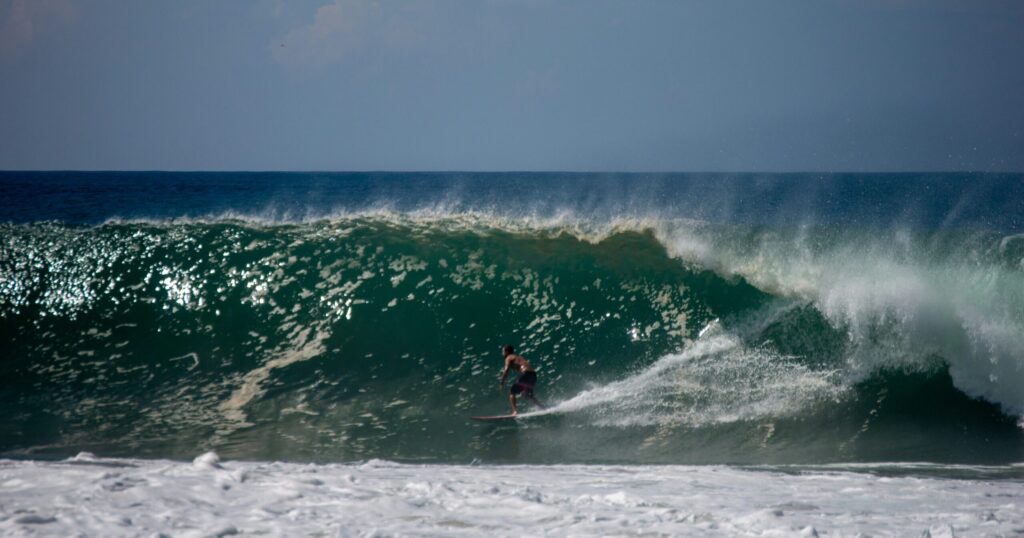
21,21
337,29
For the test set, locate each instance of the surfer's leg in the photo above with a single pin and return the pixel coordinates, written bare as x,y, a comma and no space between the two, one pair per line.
512,400
534,399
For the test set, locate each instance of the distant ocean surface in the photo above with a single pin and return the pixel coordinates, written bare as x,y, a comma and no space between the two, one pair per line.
673,319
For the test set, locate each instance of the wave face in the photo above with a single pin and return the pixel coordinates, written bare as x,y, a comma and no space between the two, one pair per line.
371,328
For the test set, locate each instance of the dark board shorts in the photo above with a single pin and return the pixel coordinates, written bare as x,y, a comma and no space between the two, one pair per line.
525,383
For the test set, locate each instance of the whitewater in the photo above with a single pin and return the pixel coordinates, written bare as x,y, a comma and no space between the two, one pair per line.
91,496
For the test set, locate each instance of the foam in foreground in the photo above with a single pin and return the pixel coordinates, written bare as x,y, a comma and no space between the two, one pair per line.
121,497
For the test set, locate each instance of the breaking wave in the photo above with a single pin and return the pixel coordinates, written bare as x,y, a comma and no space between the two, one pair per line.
375,334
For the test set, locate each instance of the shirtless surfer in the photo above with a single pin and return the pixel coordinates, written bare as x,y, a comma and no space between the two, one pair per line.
526,380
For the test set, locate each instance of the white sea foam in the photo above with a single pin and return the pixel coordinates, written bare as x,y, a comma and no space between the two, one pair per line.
104,497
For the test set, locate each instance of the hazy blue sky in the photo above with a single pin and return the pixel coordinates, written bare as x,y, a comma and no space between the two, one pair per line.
835,85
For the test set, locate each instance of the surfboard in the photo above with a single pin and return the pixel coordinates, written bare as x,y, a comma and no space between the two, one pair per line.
496,417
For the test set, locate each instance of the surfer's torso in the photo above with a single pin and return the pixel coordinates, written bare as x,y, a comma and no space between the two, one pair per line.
518,363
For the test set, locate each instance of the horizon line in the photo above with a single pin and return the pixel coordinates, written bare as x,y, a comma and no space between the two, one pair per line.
455,171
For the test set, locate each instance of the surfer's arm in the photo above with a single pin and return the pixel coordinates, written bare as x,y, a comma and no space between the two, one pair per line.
504,373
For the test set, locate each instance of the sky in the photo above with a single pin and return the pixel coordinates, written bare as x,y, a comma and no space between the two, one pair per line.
544,85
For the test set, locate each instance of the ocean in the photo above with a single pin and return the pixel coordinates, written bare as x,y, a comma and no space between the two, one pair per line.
786,351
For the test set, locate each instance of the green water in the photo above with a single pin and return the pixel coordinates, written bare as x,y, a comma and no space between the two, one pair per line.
377,337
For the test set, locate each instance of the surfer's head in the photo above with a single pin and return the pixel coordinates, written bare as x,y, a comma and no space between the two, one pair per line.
507,350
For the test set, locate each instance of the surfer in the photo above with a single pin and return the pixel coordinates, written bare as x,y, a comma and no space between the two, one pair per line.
526,380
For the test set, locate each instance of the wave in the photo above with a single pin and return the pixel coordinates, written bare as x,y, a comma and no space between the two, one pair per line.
375,333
